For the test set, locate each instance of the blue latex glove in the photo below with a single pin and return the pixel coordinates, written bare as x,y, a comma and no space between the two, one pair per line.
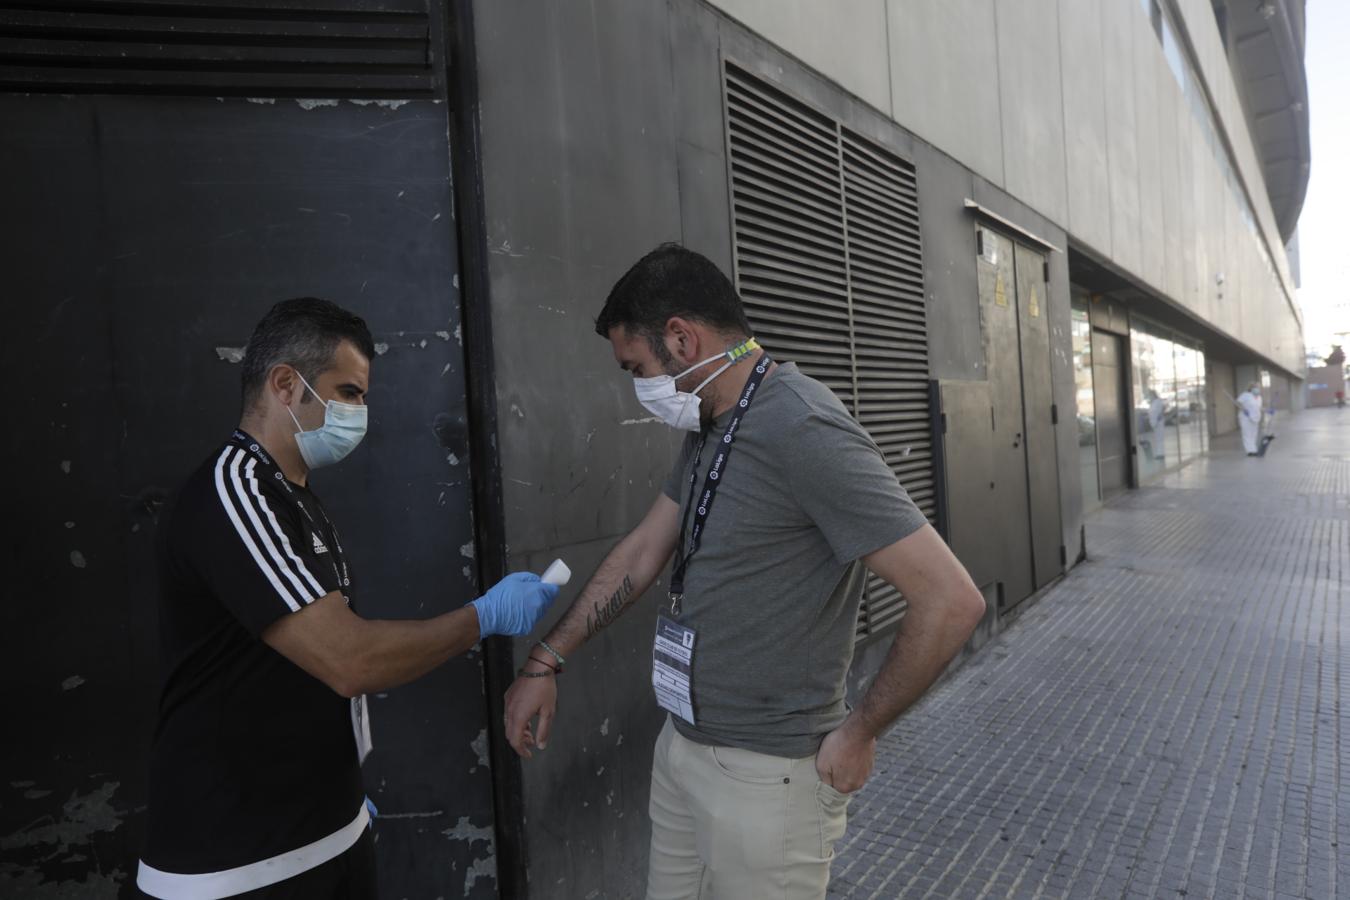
514,605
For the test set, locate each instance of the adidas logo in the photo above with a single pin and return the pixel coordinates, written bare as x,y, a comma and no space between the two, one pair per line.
318,544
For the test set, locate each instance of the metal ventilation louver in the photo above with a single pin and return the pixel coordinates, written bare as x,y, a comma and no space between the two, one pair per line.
253,48
829,263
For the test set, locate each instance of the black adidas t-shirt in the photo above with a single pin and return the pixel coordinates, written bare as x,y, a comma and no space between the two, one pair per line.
252,756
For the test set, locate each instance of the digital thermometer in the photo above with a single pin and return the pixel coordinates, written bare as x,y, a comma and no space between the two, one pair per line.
557,573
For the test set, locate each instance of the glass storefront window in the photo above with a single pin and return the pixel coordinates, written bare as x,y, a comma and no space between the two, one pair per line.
1170,410
1154,394
1201,400
1085,402
1191,414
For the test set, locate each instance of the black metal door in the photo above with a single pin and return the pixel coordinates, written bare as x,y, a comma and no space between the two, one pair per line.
145,231
1038,407
1113,437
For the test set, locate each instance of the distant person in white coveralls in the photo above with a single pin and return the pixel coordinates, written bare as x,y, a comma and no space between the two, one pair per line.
1249,417
1157,419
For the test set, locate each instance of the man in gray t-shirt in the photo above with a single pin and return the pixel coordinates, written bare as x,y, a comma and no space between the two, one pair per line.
778,502
769,593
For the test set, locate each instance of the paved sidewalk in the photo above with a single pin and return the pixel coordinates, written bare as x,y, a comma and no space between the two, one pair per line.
1166,722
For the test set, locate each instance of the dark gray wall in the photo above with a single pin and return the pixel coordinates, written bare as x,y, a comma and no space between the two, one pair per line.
603,136
142,239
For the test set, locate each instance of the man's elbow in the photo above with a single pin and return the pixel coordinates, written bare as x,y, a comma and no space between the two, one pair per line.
348,678
966,609
345,686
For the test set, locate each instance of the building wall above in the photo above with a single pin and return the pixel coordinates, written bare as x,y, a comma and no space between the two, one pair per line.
1131,139
1265,43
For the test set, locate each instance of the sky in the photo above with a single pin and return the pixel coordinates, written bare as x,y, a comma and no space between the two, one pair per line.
1324,227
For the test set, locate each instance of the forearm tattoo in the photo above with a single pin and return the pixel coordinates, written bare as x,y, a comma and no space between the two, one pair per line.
605,613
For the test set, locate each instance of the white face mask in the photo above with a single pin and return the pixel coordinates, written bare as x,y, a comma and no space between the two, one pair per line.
344,424
677,408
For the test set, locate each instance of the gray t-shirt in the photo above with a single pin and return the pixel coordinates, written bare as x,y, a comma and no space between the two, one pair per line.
805,494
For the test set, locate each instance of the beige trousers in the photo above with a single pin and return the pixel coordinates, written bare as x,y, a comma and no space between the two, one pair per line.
731,824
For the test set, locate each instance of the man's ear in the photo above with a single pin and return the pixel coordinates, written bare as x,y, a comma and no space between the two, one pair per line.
682,339
283,381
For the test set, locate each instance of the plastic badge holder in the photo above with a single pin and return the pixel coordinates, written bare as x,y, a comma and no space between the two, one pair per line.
557,573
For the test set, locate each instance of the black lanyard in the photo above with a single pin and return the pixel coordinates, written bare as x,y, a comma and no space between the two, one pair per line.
716,472
245,442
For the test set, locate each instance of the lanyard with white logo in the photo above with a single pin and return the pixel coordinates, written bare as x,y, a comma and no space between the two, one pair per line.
336,558
716,471
358,707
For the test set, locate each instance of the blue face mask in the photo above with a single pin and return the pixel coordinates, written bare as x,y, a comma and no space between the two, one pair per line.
344,424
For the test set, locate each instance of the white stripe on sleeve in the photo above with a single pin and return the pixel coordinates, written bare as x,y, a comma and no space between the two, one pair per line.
279,533
247,538
241,494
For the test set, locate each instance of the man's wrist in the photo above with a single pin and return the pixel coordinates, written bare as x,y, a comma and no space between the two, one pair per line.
534,664
855,729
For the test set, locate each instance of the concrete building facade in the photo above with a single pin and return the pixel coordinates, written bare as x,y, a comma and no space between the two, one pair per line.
1104,154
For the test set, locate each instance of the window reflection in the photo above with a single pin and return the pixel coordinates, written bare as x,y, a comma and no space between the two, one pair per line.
1085,402
1170,410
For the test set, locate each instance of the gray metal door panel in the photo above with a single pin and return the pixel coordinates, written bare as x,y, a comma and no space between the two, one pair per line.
969,458
1007,505
1113,443
1038,400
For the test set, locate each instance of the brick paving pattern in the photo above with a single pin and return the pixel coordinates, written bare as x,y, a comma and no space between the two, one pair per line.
1165,722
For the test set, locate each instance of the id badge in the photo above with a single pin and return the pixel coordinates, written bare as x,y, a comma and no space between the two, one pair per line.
361,727
672,668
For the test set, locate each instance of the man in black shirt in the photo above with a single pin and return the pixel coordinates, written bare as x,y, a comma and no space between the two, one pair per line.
255,770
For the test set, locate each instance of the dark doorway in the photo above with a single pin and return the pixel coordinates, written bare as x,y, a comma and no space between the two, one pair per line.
151,216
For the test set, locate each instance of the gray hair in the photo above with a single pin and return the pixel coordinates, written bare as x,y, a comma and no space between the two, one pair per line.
303,333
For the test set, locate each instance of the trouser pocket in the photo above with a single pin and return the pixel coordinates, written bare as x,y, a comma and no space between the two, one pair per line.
832,805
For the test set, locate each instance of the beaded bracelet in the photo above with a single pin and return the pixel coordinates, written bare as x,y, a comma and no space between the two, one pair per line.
554,653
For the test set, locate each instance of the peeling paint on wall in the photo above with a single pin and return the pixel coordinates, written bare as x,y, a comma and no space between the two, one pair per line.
31,852
383,104
465,831
31,885
481,868
479,745
230,354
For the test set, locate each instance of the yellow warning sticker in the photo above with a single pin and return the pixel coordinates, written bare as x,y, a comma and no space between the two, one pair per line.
1034,307
1000,292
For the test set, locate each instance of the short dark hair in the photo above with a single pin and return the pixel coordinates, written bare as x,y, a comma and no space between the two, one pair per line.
303,332
672,281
